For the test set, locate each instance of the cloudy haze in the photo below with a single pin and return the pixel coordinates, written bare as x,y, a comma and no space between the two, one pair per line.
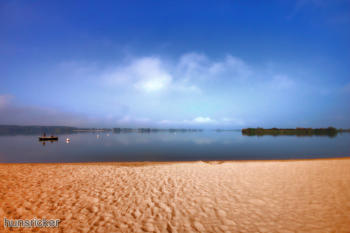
223,65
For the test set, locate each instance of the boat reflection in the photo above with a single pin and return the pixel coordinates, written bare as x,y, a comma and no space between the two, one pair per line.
51,141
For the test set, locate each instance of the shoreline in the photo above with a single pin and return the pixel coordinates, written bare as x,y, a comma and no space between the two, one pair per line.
130,163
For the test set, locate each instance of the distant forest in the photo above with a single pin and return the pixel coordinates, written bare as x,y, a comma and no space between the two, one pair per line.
330,131
17,129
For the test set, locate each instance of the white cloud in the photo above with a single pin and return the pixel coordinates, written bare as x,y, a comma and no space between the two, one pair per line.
236,67
202,120
158,88
187,74
196,120
146,74
194,66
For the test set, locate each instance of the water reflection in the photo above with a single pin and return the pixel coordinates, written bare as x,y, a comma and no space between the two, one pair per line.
202,141
47,141
169,146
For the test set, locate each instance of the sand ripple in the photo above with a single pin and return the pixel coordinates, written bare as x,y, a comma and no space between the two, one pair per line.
293,196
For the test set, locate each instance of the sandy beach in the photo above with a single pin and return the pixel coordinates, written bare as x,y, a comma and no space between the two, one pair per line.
251,196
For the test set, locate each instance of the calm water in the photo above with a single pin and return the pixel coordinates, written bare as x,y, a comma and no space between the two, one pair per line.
165,146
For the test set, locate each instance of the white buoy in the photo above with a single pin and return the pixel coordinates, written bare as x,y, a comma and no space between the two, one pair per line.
67,140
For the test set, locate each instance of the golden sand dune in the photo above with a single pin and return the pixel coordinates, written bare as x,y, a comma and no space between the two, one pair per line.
274,196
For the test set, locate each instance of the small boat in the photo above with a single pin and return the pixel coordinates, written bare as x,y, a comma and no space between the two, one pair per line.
51,138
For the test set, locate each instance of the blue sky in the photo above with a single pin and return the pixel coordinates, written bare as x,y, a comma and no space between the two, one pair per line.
202,64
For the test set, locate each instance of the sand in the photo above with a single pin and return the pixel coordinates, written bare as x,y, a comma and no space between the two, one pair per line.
256,196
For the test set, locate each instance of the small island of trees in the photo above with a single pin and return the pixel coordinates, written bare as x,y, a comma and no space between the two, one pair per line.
330,131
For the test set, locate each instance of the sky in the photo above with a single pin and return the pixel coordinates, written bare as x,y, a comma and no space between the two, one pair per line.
166,64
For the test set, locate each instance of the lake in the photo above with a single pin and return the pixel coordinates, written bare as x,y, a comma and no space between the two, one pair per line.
169,146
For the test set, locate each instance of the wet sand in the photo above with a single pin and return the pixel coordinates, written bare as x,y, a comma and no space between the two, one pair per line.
255,196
